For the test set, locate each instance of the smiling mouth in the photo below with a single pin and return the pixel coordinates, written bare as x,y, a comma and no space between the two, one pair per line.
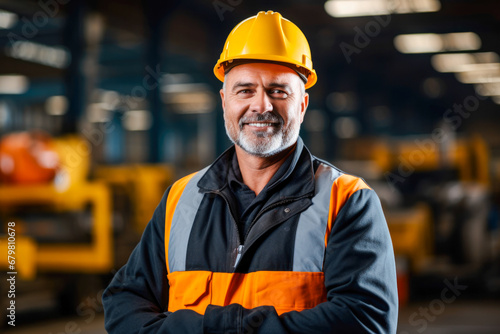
261,125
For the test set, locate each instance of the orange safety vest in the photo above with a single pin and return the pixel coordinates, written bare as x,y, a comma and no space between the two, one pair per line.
297,290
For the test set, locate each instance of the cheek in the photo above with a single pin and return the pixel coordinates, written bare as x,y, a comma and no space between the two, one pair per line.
294,117
233,110
231,119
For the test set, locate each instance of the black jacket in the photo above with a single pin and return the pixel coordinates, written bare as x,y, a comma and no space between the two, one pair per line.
356,259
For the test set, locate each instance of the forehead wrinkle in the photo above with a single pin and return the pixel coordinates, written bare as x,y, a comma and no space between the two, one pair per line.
239,84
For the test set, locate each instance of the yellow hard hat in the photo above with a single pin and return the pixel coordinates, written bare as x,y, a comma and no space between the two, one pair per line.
271,38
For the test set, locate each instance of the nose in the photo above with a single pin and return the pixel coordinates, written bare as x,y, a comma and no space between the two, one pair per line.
261,103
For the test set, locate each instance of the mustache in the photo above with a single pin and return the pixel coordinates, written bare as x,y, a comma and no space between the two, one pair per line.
268,117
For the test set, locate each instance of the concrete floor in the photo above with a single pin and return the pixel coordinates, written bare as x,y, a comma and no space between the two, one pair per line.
430,317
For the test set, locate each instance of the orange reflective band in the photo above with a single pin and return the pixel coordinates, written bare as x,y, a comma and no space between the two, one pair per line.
285,290
173,198
343,187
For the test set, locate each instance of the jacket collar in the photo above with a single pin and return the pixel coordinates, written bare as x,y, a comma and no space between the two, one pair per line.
300,173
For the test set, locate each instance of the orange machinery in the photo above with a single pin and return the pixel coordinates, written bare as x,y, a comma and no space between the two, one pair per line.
69,191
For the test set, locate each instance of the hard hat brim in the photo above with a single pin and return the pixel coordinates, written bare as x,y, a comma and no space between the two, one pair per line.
220,69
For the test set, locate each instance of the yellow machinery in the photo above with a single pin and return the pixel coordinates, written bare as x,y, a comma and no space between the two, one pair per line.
470,156
412,234
142,185
70,191
417,230
412,229
71,233
25,256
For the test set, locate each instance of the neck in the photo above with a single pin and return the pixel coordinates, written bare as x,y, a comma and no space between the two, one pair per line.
257,171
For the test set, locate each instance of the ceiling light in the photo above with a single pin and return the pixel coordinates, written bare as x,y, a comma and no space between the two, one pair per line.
430,43
199,102
189,98
184,87
97,114
455,62
53,56
7,19
488,89
478,73
419,43
452,62
13,84
339,8
483,76
109,99
137,120
350,8
461,41
56,105
479,67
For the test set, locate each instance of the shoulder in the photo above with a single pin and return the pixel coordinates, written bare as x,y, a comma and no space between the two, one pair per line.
186,186
341,181
181,183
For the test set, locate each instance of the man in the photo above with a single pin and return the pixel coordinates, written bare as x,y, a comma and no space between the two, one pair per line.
268,239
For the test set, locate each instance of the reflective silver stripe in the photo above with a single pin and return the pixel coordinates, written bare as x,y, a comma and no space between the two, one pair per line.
309,248
182,222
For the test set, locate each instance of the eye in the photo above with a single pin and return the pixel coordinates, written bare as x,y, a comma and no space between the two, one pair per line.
244,92
278,93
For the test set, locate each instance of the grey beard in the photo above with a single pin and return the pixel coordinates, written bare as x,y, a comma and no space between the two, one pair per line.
273,143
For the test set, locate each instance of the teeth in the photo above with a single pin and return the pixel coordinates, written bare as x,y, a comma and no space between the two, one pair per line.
261,125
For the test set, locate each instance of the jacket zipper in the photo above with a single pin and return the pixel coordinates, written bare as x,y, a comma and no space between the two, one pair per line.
272,206
240,246
238,257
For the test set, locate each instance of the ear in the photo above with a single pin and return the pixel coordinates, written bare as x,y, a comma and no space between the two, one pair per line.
303,106
222,99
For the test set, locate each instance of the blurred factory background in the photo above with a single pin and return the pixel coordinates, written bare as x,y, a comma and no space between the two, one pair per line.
104,103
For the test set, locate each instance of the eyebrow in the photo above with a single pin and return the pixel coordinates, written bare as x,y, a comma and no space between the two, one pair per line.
241,84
